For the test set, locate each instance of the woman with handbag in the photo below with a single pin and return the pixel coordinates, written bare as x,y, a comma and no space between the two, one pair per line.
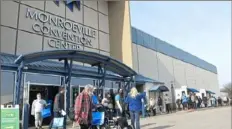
37,107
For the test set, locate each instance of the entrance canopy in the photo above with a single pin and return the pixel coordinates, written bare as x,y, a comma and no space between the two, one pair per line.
192,90
140,79
161,88
56,68
94,59
102,62
210,92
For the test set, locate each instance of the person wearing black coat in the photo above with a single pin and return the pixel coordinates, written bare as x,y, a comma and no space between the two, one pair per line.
160,103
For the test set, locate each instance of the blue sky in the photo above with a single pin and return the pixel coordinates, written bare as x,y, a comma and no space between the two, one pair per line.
201,28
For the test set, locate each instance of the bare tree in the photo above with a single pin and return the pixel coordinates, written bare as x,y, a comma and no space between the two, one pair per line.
227,88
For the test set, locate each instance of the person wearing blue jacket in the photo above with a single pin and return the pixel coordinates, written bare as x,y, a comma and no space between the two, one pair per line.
134,99
184,101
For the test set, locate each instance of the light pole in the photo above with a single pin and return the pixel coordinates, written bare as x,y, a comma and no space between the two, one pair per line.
173,95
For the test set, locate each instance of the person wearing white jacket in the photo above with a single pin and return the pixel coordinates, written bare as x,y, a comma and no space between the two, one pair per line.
167,102
37,107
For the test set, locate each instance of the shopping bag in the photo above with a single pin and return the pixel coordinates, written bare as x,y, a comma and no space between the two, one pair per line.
98,118
58,122
46,112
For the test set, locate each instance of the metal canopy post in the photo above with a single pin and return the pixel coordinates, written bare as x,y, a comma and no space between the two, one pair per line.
68,69
128,84
102,71
18,84
67,82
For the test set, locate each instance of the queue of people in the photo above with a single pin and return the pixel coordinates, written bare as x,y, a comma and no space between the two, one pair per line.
121,104
81,113
194,102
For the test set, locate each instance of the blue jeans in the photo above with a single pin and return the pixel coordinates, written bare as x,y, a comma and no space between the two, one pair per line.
135,119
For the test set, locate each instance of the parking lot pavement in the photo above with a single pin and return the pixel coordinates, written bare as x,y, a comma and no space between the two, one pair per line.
215,118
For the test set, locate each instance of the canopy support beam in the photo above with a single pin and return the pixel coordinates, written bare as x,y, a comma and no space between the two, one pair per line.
68,69
101,71
16,98
67,83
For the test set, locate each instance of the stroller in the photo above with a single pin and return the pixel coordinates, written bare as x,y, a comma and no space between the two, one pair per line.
103,119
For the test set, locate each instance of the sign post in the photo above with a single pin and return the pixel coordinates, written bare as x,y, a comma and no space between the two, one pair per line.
9,117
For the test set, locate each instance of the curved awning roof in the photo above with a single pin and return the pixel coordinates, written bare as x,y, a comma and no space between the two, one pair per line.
79,56
161,88
140,79
192,90
56,68
210,92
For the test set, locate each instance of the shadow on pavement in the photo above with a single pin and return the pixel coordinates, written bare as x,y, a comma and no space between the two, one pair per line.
147,124
162,127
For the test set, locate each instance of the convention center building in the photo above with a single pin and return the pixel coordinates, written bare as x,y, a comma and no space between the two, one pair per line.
99,27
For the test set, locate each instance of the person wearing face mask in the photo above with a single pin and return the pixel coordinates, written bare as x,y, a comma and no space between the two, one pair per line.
37,107
83,107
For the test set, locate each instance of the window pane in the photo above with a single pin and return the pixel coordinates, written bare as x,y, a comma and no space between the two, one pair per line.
7,86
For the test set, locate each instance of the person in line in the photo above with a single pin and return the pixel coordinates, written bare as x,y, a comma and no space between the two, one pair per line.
160,103
107,101
196,101
119,100
83,107
112,95
178,102
152,106
126,111
193,101
167,102
37,107
100,97
205,101
95,100
199,102
58,107
215,99
134,99
226,101
219,101
184,99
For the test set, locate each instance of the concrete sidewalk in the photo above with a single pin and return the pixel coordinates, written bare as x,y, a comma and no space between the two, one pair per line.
69,123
